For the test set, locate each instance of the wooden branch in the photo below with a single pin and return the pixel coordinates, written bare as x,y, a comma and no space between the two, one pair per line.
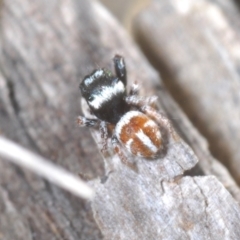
46,49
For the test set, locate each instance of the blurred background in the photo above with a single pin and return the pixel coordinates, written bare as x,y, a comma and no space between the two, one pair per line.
125,10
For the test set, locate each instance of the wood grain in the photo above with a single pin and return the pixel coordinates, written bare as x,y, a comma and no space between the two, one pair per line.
196,48
47,47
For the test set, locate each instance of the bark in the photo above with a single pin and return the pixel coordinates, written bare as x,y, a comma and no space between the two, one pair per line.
47,47
196,48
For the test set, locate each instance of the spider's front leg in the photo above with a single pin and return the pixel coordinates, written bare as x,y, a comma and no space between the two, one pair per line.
121,73
95,123
144,105
120,68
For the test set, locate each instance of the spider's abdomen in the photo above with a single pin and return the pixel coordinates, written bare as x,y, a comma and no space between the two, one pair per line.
139,134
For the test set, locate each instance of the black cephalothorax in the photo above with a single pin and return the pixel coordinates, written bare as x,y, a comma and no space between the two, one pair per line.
105,93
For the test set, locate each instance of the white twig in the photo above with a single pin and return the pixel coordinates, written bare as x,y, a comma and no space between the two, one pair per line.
22,157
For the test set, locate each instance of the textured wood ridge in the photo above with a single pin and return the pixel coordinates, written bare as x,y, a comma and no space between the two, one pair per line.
191,208
196,47
46,49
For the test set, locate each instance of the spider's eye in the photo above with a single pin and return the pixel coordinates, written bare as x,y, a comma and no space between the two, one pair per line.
90,98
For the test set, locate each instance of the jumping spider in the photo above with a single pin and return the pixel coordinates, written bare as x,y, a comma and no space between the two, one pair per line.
136,125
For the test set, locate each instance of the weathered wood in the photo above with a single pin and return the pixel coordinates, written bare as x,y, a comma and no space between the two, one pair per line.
43,57
46,48
207,164
196,48
191,208
136,203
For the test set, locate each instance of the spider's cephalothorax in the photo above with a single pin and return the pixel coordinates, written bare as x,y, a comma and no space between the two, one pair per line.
105,93
136,129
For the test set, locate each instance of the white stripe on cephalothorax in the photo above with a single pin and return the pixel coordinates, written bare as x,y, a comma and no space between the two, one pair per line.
93,77
106,94
124,121
146,141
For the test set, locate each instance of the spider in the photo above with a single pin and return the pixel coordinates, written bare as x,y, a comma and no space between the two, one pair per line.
135,124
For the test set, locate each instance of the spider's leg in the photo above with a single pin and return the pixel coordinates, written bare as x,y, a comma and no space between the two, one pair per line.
137,101
120,68
104,135
134,89
95,123
118,150
87,122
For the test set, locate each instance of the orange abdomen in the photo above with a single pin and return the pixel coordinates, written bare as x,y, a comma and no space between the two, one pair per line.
139,134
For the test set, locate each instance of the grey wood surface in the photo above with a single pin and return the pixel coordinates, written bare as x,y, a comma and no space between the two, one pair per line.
196,48
47,47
